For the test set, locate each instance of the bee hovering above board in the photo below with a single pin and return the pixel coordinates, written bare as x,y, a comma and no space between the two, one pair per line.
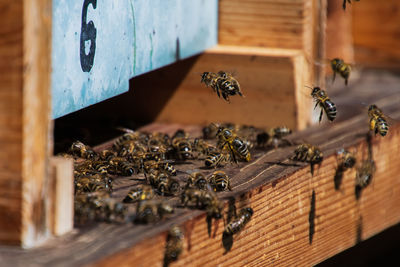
348,1
340,67
321,98
223,83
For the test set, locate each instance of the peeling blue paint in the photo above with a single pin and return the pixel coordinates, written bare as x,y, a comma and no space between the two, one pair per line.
133,37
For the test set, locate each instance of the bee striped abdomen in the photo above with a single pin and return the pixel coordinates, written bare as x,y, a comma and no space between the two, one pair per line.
330,109
381,127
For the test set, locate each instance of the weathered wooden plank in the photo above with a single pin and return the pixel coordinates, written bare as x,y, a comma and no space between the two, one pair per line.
11,64
280,193
149,35
275,24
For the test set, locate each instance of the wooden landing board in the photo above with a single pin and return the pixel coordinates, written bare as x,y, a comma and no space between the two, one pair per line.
272,80
280,194
376,33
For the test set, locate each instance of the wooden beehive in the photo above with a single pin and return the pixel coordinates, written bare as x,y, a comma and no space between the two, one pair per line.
296,214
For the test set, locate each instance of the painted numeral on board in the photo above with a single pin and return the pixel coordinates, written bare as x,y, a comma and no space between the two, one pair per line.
88,38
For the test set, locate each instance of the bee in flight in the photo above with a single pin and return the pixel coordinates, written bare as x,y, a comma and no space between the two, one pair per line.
348,1
341,68
223,83
377,121
321,98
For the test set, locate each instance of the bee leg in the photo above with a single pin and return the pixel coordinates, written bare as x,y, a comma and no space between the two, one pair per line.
344,4
334,72
316,104
217,90
320,115
345,81
209,224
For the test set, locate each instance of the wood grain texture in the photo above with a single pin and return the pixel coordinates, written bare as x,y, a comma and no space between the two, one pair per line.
279,191
11,82
36,100
25,122
292,24
272,81
278,233
61,195
376,33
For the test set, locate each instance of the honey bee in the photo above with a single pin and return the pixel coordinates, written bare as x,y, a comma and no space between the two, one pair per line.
274,137
202,199
198,180
342,68
120,166
209,131
174,245
92,183
106,154
346,159
348,1
151,211
164,183
377,122
81,150
139,193
324,102
120,141
223,83
216,159
365,173
220,181
235,226
308,153
228,140
202,147
183,148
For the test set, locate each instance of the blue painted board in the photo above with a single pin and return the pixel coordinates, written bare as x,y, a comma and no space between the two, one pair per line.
98,45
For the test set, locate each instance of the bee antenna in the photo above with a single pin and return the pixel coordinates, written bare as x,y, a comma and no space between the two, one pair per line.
308,86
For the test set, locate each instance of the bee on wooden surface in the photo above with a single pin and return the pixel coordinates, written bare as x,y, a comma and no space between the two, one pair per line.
120,141
139,193
235,227
151,211
346,160
341,68
202,199
92,183
197,180
274,137
220,181
365,173
322,100
121,166
228,140
183,148
209,131
106,154
81,150
262,139
174,245
162,165
348,1
164,183
308,153
202,147
378,122
217,159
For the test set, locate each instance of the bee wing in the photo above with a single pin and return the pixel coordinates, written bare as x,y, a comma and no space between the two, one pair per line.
125,130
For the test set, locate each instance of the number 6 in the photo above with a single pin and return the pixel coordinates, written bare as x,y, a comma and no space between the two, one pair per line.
88,33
